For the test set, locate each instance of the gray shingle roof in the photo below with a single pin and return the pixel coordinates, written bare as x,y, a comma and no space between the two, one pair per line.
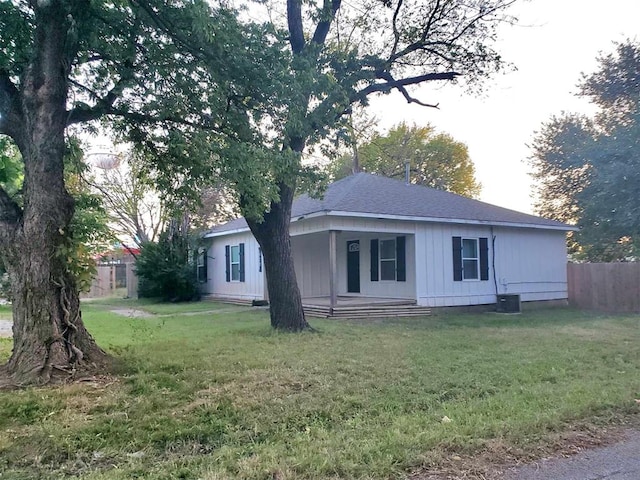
365,193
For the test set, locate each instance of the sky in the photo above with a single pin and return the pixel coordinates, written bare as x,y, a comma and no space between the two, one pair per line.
553,43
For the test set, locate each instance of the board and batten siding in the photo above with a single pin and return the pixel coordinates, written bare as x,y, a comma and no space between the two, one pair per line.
310,245
253,288
311,254
529,262
381,288
532,263
311,260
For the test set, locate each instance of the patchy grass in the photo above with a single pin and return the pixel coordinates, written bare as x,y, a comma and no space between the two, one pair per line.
221,395
154,307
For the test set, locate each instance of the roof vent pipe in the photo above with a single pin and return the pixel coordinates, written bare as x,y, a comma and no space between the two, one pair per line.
407,173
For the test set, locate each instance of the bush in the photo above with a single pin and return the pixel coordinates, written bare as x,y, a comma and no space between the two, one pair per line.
166,270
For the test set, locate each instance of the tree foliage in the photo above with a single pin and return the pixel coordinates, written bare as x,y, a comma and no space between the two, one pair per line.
436,160
588,169
291,85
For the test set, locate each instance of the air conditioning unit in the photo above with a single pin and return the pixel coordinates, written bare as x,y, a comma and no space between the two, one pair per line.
508,304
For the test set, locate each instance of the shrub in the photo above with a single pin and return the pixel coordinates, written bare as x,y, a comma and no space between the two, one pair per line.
166,269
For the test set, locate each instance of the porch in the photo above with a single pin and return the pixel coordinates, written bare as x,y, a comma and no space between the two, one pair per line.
352,273
361,307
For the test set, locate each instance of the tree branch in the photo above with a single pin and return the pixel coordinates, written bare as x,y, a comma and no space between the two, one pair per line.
294,22
396,33
391,83
329,11
104,105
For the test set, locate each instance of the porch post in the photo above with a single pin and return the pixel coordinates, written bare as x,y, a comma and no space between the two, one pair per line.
333,270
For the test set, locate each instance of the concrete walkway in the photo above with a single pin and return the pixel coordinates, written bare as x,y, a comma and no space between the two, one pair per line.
619,461
5,328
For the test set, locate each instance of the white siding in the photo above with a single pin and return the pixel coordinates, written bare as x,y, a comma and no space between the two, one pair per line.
530,262
253,286
368,288
311,259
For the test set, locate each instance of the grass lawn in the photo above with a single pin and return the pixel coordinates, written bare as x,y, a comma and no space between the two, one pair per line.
219,395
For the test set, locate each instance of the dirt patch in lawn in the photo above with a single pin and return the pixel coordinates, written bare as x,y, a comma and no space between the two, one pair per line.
498,457
131,312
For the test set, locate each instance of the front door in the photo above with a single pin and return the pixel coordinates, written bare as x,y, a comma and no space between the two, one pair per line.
353,266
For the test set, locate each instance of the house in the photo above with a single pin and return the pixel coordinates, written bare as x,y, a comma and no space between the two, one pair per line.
375,239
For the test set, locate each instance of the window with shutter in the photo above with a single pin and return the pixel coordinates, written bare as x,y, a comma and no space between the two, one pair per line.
470,259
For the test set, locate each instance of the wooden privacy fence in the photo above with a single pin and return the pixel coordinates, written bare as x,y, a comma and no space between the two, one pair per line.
606,287
114,280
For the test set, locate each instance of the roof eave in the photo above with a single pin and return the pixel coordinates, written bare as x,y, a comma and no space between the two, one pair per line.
564,228
226,232
341,213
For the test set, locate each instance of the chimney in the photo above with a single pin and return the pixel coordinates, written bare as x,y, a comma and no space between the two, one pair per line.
407,173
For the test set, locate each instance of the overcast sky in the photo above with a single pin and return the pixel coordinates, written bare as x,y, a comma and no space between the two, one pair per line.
552,44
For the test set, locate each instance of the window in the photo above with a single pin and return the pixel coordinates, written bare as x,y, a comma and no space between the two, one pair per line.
201,265
234,255
235,263
470,259
388,259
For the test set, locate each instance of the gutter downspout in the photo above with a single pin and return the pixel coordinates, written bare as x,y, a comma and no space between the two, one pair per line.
493,260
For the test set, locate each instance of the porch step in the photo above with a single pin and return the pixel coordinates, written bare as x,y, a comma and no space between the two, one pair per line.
372,311
234,301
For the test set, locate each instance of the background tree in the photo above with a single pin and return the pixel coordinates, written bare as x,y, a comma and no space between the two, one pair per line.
588,169
336,55
137,212
436,160
215,205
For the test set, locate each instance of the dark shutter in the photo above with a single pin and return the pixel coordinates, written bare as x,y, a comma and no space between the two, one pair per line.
205,259
401,261
227,257
484,258
374,260
457,259
259,259
241,262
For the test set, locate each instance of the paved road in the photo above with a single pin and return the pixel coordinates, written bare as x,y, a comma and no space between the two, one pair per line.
620,461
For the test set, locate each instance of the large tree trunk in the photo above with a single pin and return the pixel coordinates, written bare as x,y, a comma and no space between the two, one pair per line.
50,341
273,236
